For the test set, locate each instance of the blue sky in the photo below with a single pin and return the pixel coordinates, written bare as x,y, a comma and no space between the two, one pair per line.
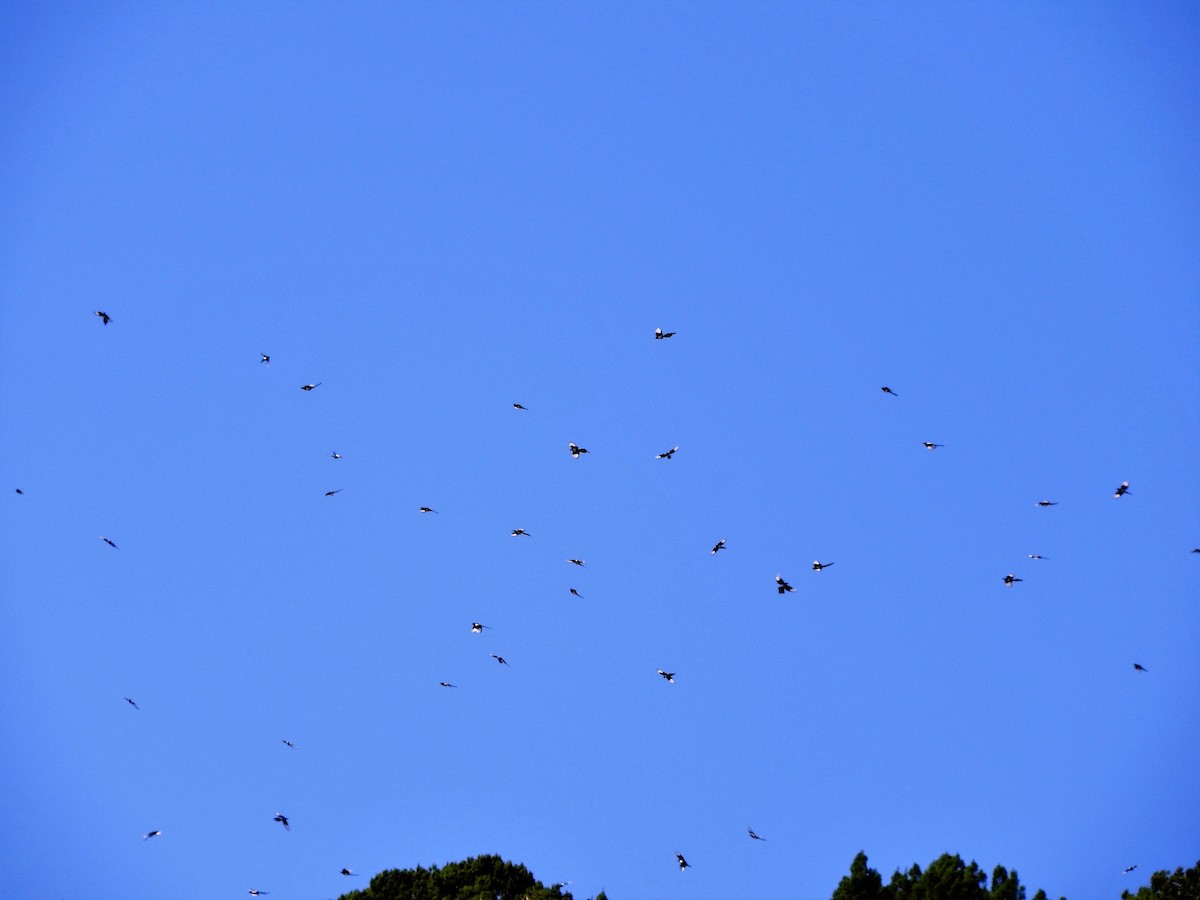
437,210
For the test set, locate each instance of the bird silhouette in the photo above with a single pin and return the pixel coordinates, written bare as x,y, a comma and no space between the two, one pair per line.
929,445
719,545
336,455
518,532
576,450
22,493
110,543
499,659
751,830
683,863
818,565
331,493
348,872
1122,490
660,335
289,743
1047,503
150,834
1037,556
477,627
784,587
576,593
1128,869
311,387
257,893
577,562
282,820
263,358
888,390
427,509
667,454
131,703
1139,667
669,676
447,684
518,406
1010,580
104,317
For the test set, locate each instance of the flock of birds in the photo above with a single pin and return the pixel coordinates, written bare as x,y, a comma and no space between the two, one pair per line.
576,452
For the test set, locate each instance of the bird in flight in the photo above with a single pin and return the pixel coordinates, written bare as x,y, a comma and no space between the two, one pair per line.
784,587
518,406
289,743
1011,579
1047,503
1197,550
683,863
331,493
336,455
104,317
150,834
576,593
577,562
660,335
575,450
668,454
719,545
129,700
1128,869
282,820
257,893
669,676
929,445
1122,490
447,684
348,872
22,493
888,390
477,627
818,565
1140,668
1037,556
751,830
499,659
517,532
311,387
264,358
426,509
110,543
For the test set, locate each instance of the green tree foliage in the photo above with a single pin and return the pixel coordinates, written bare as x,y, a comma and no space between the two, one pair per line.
477,878
1164,885
947,878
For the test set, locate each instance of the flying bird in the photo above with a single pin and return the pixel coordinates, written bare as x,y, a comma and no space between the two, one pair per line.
576,450
129,700
425,509
104,317
282,820
263,358
331,493
150,834
311,387
888,390
289,743
336,455
668,454
1139,667
1122,490
1011,579
818,565
257,893
660,335
499,659
683,863
518,406
447,684
1047,503
719,545
751,830
517,532
110,543
1128,869
929,445
784,587
348,872
478,627
1037,556
22,493
1197,550
577,562
576,593
669,676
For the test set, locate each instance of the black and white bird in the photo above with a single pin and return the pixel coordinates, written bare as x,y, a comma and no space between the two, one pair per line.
784,587
660,335
669,676
1037,556
1128,869
929,445
282,820
499,659
264,358
683,863
1010,579
518,532
818,565
751,830
719,545
336,455
254,892
1047,503
447,684
518,406
1122,490
576,450
667,454
577,562
331,493
110,543
1140,668
888,390
150,834
427,509
289,743
576,593
311,387
104,317
348,872
477,627
129,700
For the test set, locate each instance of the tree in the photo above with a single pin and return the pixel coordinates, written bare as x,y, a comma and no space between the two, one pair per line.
476,878
862,883
1177,885
947,878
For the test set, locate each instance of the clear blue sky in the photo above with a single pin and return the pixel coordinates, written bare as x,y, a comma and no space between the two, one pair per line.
439,209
